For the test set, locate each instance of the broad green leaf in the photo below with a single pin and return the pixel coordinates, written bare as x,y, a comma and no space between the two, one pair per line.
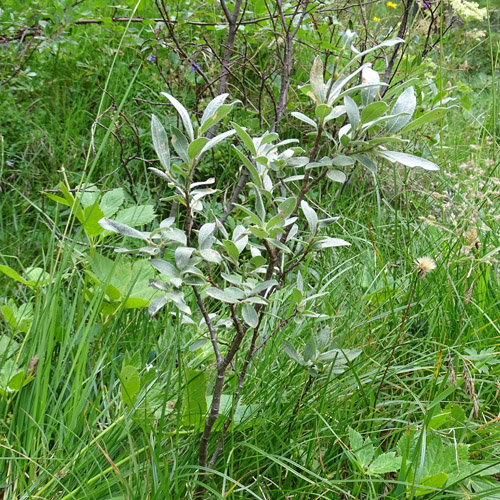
251,168
206,231
180,144
112,201
406,103
194,149
387,462
229,295
373,111
8,347
352,112
290,350
286,207
432,483
130,384
363,450
336,176
342,161
408,160
183,256
165,267
93,214
322,111
188,126
136,216
249,315
160,143
310,352
261,287
211,255
231,249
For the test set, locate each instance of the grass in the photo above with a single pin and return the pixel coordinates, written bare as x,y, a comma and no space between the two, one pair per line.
429,344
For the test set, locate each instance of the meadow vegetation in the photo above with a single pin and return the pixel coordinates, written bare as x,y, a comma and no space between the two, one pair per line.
248,249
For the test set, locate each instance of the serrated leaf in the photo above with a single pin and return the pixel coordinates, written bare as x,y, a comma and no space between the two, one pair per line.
406,103
249,315
112,201
136,216
408,160
183,114
93,214
387,462
160,144
362,449
432,483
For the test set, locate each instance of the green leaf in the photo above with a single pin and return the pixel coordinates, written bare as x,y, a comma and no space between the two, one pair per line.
196,146
117,227
286,207
336,176
371,85
312,218
183,256
188,126
373,111
430,116
13,274
387,462
245,138
93,214
310,352
211,255
231,249
342,161
291,352
130,383
180,144
136,216
432,483
249,315
112,201
230,295
211,115
363,450
352,112
317,83
367,162
160,144
194,402
215,140
322,111
406,103
408,160
305,119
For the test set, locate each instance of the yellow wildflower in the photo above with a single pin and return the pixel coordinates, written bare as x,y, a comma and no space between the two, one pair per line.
376,19
392,5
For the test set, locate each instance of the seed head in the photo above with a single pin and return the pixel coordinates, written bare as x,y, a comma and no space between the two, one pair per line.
424,265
